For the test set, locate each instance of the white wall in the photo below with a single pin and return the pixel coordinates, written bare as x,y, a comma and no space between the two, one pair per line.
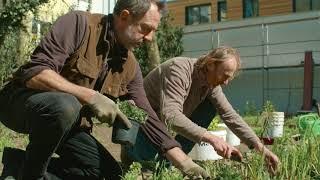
103,6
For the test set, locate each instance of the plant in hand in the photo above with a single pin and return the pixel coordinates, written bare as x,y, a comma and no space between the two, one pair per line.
132,111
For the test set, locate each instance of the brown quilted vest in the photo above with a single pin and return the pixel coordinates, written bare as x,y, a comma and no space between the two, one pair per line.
84,66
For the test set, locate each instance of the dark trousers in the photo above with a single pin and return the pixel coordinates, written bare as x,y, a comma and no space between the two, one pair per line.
202,116
52,121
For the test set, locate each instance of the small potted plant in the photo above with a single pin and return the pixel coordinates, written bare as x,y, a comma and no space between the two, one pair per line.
273,122
120,133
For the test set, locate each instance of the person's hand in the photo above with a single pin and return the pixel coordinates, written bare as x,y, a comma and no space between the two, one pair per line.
272,161
106,110
192,170
222,148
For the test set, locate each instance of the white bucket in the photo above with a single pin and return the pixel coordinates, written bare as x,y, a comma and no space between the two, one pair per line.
205,151
275,127
231,138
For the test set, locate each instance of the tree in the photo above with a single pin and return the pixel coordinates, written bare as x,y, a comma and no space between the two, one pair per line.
169,42
11,20
11,17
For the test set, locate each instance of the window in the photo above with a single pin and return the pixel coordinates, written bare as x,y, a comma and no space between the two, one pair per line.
305,5
198,14
250,8
222,11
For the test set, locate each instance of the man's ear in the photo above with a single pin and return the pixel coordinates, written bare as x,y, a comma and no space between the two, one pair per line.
124,15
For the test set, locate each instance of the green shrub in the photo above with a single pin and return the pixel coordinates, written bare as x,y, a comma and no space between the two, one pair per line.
250,109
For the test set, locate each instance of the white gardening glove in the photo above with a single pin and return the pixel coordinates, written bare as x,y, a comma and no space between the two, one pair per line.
192,170
106,110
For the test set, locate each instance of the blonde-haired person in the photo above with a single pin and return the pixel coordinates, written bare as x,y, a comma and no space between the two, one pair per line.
186,93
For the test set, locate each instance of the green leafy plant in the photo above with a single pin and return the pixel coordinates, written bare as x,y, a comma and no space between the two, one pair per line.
11,17
132,112
152,170
134,172
17,42
213,126
267,115
250,109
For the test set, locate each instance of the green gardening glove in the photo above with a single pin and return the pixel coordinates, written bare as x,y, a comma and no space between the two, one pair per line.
106,110
193,170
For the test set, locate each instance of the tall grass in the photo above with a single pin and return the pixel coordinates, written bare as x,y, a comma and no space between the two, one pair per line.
300,160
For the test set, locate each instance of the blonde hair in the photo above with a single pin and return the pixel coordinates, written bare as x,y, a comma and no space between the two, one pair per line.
218,55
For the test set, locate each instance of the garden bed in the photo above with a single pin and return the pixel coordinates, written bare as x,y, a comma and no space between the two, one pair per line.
299,157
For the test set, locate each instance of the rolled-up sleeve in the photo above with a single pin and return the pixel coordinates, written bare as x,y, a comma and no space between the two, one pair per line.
177,79
64,38
154,129
231,118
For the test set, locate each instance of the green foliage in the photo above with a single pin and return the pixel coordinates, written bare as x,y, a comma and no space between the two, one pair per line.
267,116
169,39
11,16
152,170
167,174
8,54
299,160
134,172
250,109
11,20
214,124
268,107
132,111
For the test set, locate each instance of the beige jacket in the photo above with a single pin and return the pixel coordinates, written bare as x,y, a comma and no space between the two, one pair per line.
176,88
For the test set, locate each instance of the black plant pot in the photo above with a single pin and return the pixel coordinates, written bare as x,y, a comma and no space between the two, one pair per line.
122,135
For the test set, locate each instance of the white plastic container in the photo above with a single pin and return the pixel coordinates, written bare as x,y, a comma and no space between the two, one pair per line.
205,151
275,126
231,139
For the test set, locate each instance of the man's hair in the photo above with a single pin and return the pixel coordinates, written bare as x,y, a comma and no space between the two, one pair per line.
137,7
219,55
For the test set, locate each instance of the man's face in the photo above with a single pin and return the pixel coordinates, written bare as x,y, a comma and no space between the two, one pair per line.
134,32
220,73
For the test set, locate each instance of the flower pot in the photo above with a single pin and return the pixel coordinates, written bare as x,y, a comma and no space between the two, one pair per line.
122,135
274,128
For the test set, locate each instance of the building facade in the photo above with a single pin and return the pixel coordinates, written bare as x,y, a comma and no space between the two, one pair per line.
193,12
275,39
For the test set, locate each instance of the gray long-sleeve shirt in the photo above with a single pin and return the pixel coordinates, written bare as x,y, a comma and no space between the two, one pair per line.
177,87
